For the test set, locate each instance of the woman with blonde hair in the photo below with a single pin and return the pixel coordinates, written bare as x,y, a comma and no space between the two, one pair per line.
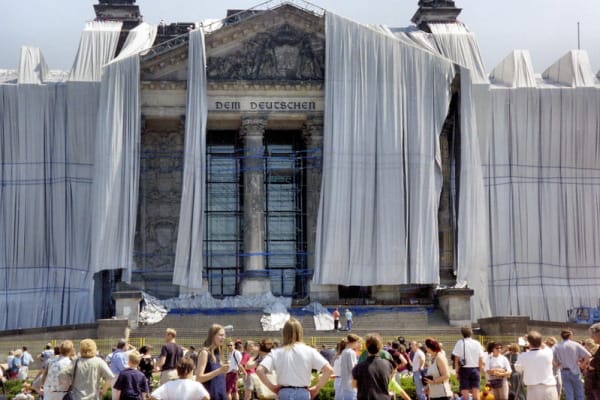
55,381
211,370
87,372
551,341
293,363
517,389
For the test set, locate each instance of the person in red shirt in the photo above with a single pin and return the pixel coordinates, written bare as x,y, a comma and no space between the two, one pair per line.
336,319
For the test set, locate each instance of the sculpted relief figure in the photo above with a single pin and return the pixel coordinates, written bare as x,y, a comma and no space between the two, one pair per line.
284,54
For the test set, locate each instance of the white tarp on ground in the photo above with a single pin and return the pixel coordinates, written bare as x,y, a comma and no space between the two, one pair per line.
276,315
322,317
188,256
381,159
275,308
206,301
152,311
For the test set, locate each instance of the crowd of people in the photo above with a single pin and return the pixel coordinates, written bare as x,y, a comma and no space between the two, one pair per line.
536,368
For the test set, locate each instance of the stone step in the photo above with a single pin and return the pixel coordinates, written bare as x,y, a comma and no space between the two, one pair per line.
389,321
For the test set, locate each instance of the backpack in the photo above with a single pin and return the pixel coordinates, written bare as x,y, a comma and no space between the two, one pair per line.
13,368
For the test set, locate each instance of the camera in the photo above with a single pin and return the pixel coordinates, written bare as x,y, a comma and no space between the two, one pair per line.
462,362
430,377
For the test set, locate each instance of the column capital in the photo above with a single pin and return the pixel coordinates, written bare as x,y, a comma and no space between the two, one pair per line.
253,126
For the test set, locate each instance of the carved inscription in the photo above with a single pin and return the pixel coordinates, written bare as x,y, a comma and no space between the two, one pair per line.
265,104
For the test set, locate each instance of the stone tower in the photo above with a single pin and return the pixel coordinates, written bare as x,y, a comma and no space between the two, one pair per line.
125,11
440,11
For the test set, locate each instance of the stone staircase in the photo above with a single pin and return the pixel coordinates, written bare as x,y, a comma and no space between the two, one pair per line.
390,322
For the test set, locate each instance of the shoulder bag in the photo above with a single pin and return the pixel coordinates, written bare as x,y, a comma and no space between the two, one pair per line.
69,394
494,383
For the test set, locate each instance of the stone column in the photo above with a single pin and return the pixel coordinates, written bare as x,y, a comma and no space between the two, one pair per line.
256,280
313,142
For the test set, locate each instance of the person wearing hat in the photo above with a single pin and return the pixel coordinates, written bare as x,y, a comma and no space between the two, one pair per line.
568,354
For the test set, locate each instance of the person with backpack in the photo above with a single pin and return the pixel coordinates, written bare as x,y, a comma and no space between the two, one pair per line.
15,365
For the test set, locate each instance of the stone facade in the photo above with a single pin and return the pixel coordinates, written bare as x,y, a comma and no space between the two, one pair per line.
265,73
161,177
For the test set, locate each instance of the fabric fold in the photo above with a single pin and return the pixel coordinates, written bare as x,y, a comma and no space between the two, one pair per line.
188,256
385,104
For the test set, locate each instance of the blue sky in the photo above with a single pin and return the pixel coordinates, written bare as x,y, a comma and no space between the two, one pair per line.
548,28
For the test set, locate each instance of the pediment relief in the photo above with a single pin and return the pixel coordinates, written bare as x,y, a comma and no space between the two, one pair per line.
285,53
285,44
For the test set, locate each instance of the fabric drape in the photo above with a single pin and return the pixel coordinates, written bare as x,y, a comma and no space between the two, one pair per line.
457,43
516,70
139,39
96,48
543,186
188,256
32,66
472,234
46,140
117,166
385,103
117,156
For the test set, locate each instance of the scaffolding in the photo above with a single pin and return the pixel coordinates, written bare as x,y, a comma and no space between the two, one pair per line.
284,165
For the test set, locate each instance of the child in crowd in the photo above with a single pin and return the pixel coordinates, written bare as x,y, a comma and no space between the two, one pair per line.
26,393
131,383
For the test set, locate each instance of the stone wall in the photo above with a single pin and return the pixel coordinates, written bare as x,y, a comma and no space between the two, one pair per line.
446,215
520,325
161,174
